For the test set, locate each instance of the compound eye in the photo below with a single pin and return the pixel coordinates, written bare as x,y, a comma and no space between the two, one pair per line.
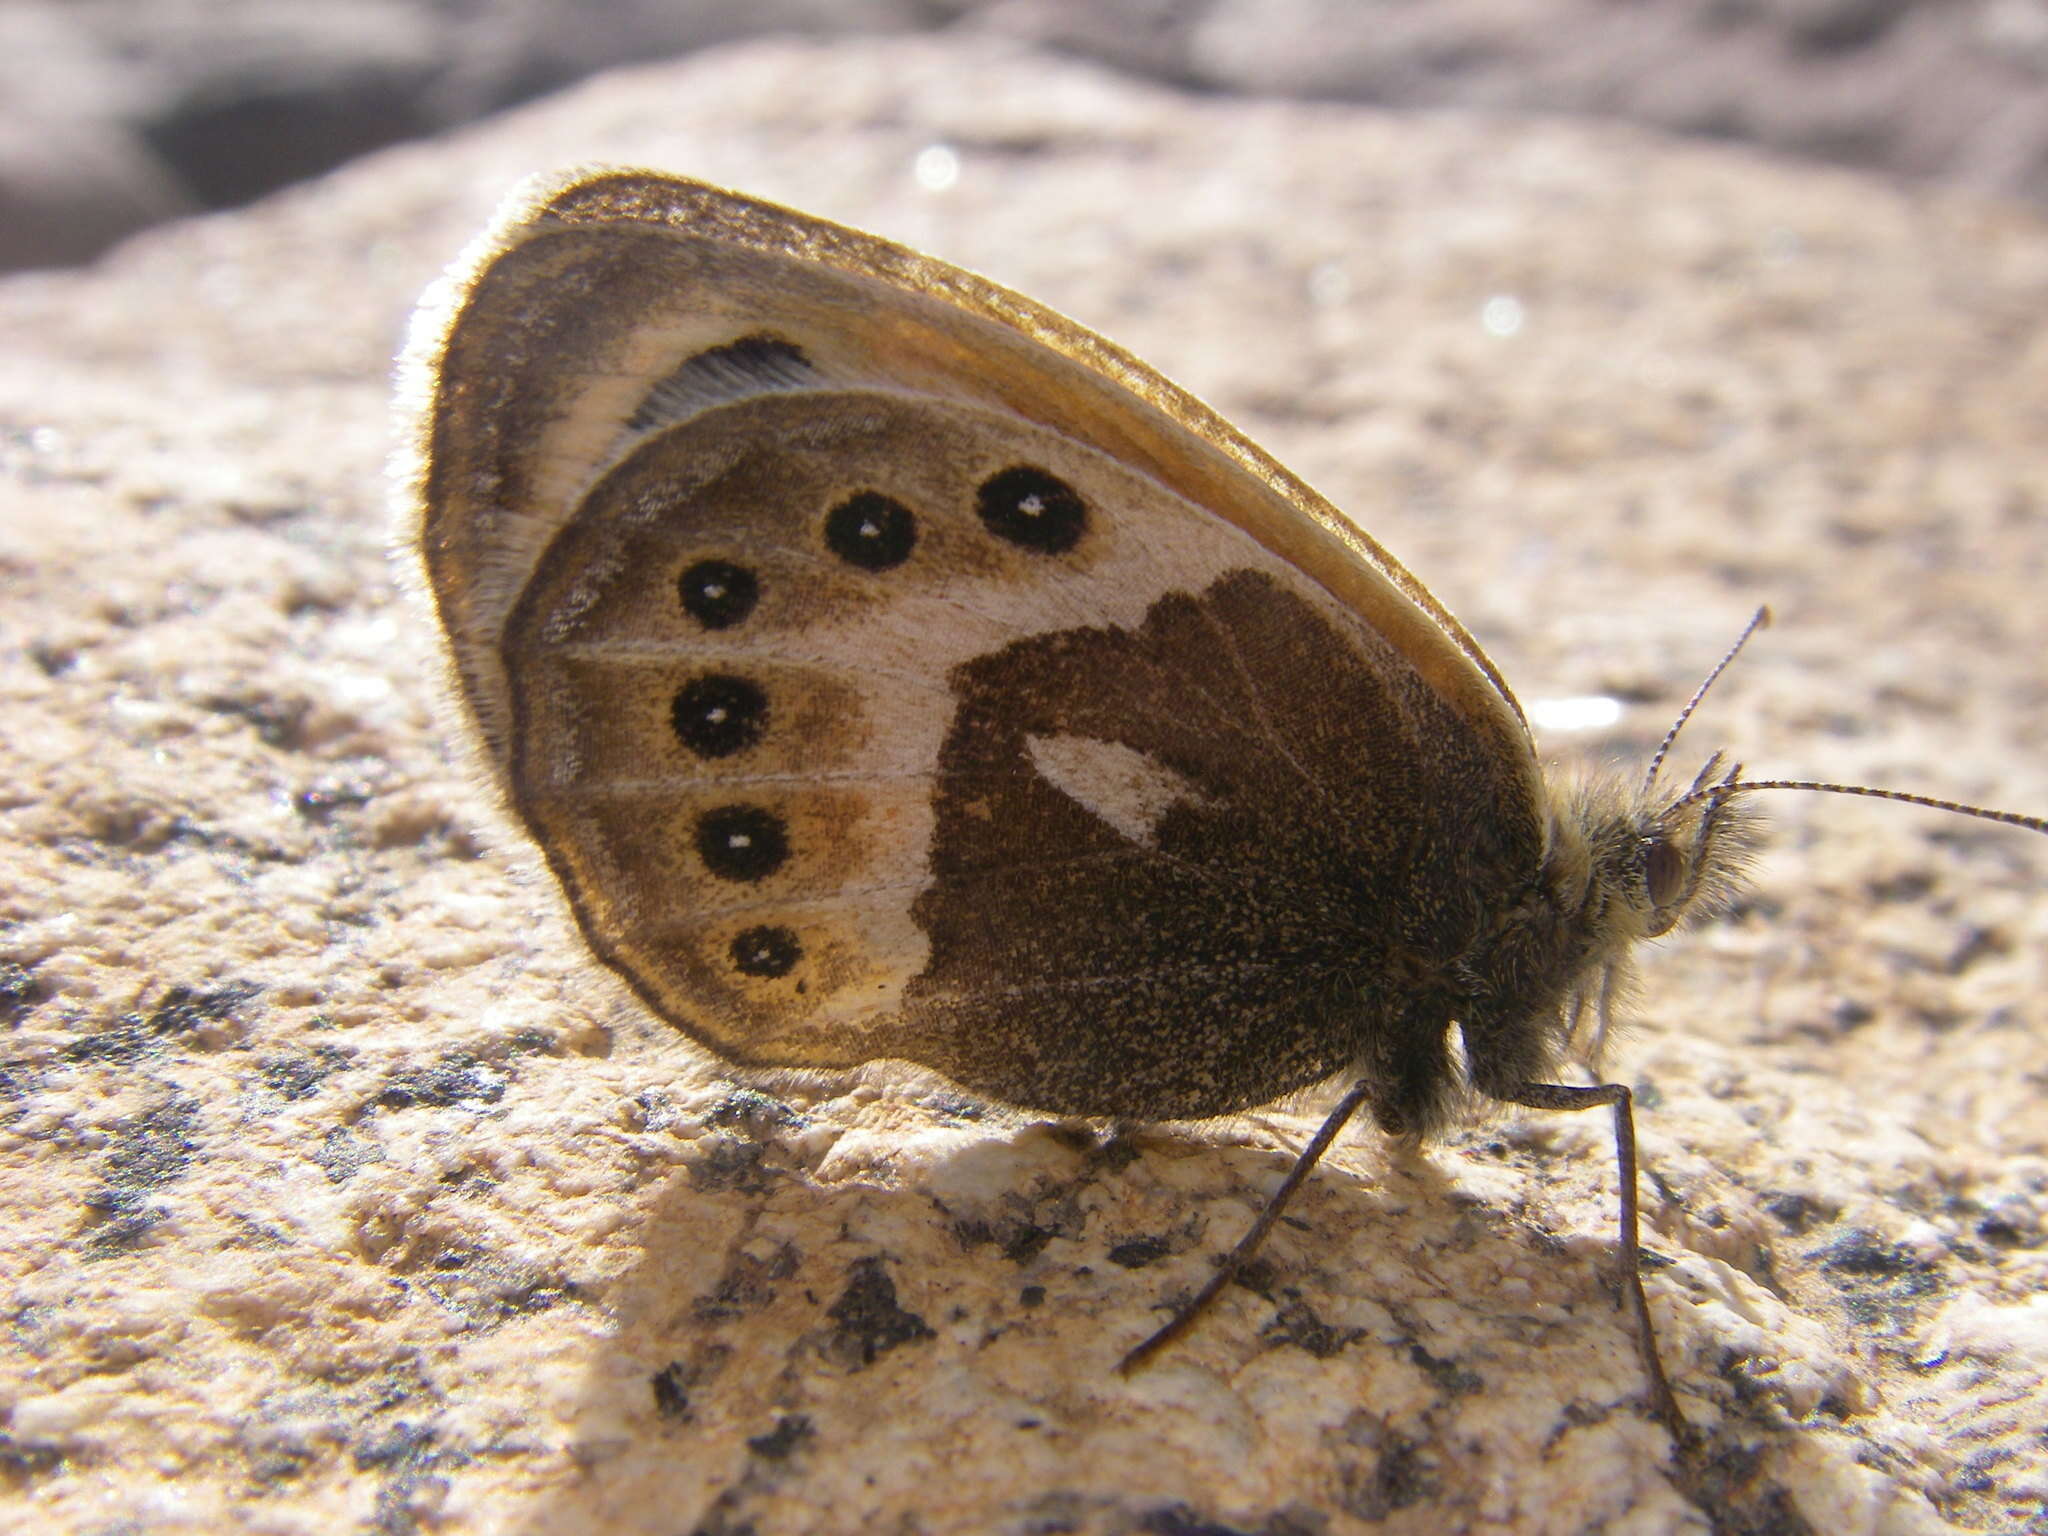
1663,871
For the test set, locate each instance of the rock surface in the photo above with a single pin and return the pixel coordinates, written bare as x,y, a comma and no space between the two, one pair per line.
341,1193
125,112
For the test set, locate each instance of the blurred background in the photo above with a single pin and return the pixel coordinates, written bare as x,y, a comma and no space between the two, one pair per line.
116,114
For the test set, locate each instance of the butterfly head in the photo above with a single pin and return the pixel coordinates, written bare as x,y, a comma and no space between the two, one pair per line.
1647,859
1693,850
1653,858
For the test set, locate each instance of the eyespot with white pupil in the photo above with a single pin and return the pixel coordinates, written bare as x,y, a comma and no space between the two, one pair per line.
719,715
871,531
717,593
1032,509
766,951
742,842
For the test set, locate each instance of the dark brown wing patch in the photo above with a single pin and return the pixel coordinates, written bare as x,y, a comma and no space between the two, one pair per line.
1349,828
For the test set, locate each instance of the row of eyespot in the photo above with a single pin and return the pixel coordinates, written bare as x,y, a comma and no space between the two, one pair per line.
721,714
1026,506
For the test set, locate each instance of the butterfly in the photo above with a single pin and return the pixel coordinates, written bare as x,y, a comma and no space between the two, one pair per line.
889,668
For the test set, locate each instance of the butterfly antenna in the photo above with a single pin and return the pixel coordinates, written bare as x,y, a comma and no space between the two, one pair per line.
1759,620
1723,788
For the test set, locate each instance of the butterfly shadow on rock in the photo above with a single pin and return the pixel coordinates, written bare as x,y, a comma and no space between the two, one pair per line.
816,1305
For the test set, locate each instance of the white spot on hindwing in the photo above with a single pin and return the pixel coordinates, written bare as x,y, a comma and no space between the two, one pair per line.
1119,784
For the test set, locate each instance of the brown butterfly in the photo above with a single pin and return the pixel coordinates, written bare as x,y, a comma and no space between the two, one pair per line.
890,668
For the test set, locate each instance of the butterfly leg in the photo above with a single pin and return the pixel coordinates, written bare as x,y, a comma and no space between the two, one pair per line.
1611,984
1234,1261
1561,1096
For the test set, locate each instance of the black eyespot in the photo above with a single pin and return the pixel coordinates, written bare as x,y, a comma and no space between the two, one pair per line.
742,842
766,951
717,593
1663,870
1032,509
871,530
718,715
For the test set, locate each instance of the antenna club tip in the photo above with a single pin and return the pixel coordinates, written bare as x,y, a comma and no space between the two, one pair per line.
1763,616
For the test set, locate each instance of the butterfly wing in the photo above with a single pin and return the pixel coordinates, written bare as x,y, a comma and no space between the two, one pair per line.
890,668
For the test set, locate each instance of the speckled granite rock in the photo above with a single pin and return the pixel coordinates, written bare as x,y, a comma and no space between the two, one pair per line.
341,1194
